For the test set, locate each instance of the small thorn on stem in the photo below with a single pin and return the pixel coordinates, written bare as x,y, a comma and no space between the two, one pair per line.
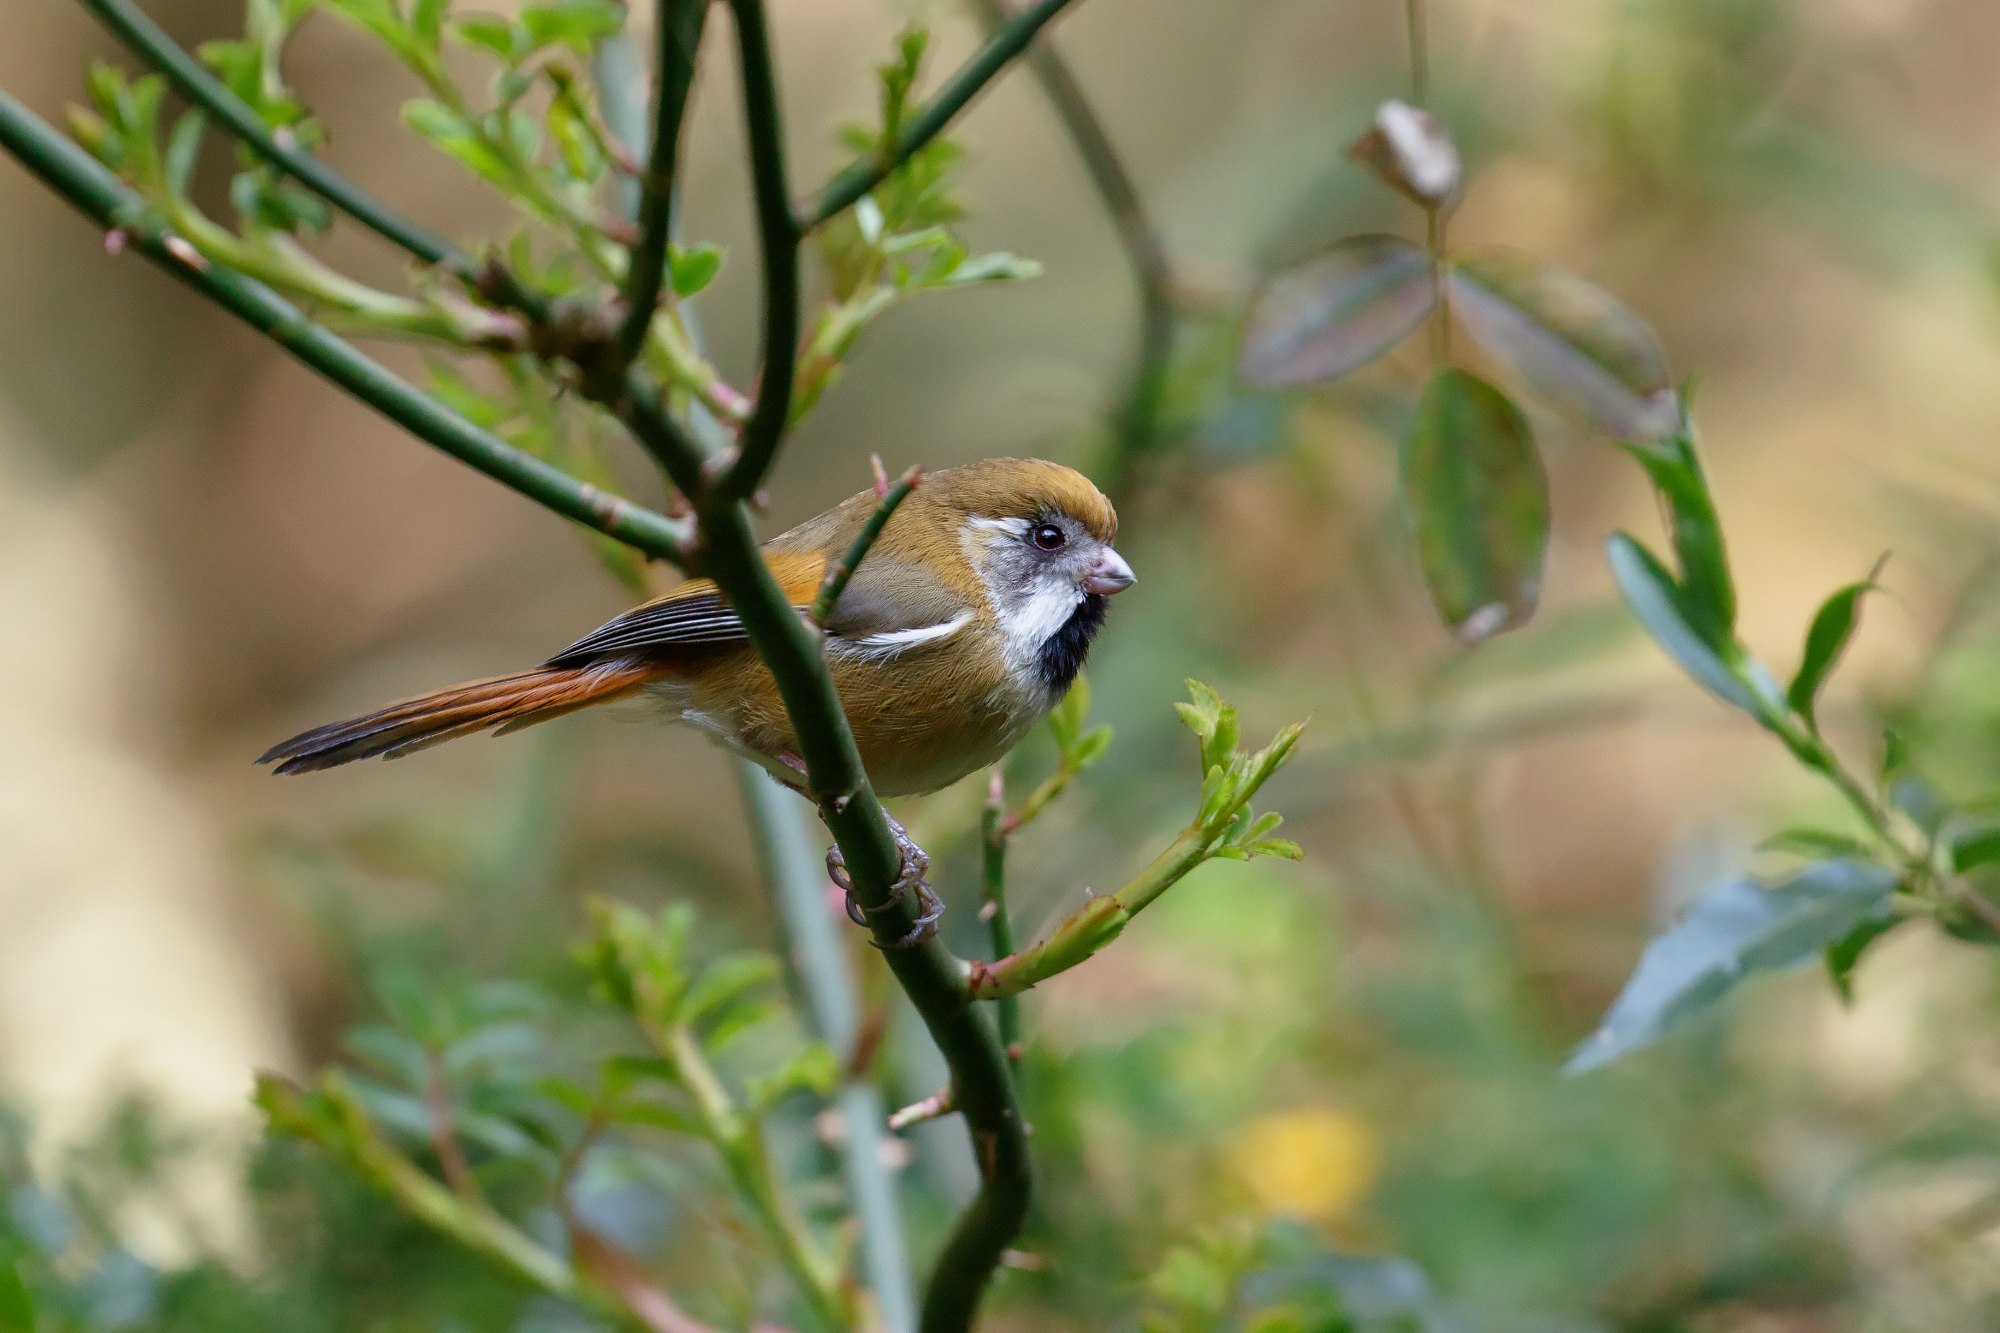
115,241
881,476
183,249
937,1105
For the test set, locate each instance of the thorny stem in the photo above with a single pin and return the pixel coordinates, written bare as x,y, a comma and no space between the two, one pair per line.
994,827
779,235
91,187
793,871
680,23
1138,412
1006,42
842,570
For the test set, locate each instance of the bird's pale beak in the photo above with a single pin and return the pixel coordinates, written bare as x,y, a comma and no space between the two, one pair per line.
1110,574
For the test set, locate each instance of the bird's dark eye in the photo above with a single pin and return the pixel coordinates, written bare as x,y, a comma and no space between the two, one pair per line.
1049,537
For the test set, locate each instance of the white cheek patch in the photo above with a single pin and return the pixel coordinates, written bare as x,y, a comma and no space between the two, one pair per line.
891,642
1031,621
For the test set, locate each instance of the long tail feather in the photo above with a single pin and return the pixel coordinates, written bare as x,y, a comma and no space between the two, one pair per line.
505,703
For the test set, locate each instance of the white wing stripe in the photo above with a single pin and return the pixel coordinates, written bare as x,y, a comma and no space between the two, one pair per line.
890,642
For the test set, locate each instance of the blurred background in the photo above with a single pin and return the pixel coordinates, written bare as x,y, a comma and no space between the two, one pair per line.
203,549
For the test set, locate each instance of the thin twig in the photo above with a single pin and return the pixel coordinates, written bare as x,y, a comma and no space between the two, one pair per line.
999,50
192,79
1138,412
779,236
934,1107
90,186
444,1134
838,574
1415,31
680,24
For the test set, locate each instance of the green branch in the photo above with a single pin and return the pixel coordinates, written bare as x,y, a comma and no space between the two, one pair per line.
191,78
779,235
993,832
1223,828
90,186
680,24
1007,41
843,569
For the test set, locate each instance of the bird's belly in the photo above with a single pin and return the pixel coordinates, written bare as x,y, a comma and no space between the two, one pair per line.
917,732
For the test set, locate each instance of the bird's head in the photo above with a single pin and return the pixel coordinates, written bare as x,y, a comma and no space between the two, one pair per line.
1038,538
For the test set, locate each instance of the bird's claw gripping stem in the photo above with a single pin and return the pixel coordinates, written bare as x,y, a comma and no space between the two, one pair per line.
916,865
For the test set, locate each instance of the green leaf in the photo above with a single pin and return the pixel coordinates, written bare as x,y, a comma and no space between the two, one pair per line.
1815,842
184,151
1832,627
452,133
994,266
1067,717
693,269
812,1069
727,980
17,1303
1923,803
427,20
1656,600
577,24
1975,848
1575,343
490,32
1845,953
1091,748
1337,312
1478,502
1735,930
262,198
1895,753
1708,592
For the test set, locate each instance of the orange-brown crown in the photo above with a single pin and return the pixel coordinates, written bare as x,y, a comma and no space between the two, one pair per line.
1022,488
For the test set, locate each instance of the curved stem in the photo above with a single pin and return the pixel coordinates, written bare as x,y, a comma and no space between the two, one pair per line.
779,235
994,829
91,187
680,24
1007,42
1138,413
192,79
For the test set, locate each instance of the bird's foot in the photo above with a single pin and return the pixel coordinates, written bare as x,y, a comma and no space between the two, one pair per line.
910,880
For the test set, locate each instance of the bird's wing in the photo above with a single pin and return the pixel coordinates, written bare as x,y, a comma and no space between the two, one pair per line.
888,606
690,616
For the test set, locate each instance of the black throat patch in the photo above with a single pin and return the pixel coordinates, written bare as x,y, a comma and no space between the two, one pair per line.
1063,652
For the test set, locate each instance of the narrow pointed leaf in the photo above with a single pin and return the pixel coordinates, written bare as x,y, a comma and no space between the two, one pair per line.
1844,954
1337,312
1832,627
1975,848
1573,342
1708,593
1478,502
1656,599
1736,930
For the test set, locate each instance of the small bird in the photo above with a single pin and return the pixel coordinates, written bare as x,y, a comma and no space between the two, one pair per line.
965,622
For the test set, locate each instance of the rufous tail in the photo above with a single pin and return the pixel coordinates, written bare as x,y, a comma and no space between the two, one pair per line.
502,704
